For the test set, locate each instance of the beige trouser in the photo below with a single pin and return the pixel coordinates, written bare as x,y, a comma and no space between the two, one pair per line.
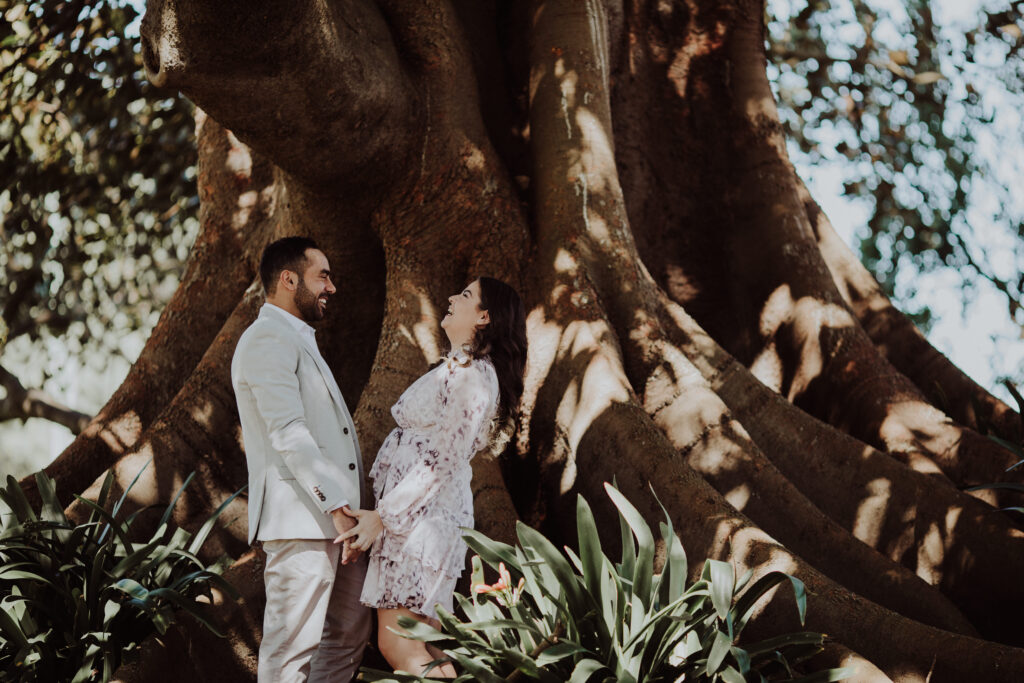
314,628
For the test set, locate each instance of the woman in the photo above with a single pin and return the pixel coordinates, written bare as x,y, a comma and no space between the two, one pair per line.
421,477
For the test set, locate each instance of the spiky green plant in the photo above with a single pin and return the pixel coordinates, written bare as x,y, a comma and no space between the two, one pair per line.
77,597
556,617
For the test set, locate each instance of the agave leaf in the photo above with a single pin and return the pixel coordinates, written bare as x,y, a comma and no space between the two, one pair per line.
11,629
170,508
524,664
477,575
507,624
133,560
644,568
15,499
731,675
51,511
491,552
543,586
162,619
591,557
672,581
720,576
578,601
780,642
461,632
417,630
196,609
132,588
477,668
204,531
202,578
744,607
124,494
559,651
84,672
99,531
110,523
585,669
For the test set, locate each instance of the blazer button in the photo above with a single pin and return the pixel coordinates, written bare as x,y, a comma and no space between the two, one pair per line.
344,430
351,465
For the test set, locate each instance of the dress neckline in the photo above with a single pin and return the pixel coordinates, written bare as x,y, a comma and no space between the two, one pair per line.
457,357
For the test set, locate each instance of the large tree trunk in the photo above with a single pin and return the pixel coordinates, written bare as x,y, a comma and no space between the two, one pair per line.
693,324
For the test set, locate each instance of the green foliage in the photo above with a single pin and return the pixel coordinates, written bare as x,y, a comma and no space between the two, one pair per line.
78,597
565,617
920,106
98,201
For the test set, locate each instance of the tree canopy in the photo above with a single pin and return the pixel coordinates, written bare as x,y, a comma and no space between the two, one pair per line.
99,201
98,204
924,106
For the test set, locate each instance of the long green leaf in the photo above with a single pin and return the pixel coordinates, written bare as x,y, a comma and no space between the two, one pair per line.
586,669
204,531
591,557
719,649
11,629
491,552
558,652
579,601
170,508
15,499
110,524
720,576
779,642
133,560
744,607
643,572
191,606
52,510
478,669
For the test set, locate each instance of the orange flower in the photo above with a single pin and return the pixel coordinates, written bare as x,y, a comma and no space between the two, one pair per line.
502,584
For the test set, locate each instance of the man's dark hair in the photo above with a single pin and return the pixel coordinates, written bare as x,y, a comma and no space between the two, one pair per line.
287,253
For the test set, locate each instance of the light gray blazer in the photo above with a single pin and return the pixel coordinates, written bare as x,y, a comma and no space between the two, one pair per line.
299,438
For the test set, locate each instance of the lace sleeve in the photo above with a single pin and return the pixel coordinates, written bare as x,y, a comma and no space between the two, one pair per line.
464,403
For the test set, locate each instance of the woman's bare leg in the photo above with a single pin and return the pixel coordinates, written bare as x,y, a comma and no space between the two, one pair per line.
404,654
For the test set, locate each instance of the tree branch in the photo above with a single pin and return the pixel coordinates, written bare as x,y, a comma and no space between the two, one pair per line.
21,403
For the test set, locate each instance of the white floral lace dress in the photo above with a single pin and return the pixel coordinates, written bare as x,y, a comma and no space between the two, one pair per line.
421,481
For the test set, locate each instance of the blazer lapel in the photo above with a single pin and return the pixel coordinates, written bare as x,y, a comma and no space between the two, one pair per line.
325,371
321,365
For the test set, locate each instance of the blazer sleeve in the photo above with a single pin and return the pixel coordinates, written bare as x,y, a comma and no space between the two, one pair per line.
270,366
464,400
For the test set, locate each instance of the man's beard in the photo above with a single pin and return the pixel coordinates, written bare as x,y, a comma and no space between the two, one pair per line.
305,301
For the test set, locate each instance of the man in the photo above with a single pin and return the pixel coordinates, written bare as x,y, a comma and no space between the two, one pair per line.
304,472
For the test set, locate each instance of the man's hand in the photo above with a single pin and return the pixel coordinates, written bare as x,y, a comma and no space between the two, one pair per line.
361,536
342,520
342,523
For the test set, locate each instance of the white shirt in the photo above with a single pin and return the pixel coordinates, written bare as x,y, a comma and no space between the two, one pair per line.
308,334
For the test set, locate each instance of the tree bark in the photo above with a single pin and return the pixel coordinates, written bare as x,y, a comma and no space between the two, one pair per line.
693,327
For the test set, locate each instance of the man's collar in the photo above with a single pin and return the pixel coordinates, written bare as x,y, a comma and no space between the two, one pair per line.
300,325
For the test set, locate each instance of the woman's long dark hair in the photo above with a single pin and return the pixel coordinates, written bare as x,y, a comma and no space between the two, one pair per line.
504,341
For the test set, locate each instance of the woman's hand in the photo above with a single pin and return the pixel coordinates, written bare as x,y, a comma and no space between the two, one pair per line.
360,537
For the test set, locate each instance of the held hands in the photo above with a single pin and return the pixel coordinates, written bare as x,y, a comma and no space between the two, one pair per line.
342,523
360,537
